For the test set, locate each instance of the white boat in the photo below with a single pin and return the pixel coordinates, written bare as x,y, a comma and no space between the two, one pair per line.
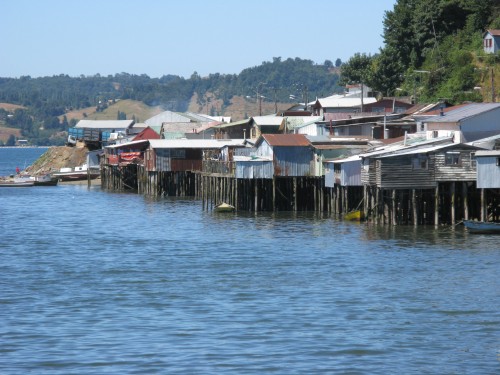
482,226
16,182
77,173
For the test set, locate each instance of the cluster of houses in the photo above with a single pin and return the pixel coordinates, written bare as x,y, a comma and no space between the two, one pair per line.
400,163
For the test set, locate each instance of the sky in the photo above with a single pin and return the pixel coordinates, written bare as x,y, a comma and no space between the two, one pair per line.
179,37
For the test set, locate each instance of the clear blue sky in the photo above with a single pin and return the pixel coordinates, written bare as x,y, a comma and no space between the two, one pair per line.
160,37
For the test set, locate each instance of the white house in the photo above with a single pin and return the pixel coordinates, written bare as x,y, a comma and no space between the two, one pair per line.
491,41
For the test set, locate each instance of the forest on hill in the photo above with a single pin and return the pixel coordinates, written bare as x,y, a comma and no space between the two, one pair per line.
432,50
46,100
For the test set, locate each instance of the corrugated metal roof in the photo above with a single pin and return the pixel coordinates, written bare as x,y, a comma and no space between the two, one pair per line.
299,140
488,153
133,143
236,123
424,150
344,102
464,112
195,143
166,116
344,160
268,120
105,124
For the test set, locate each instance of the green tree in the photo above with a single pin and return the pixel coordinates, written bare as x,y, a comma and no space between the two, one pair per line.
11,141
357,70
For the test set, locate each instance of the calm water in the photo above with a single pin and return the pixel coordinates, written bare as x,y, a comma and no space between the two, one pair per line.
99,283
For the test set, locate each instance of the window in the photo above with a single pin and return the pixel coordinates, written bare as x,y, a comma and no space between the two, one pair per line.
452,158
178,154
473,160
498,161
419,162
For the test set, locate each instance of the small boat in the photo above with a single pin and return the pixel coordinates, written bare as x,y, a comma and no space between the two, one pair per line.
224,207
356,215
485,227
12,183
46,180
78,173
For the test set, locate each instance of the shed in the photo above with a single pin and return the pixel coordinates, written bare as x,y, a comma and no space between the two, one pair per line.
343,172
176,155
291,155
424,167
488,169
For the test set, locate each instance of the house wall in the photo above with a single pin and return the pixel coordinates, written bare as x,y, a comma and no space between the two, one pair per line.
488,172
168,160
490,43
402,173
363,130
350,173
483,125
311,129
329,175
254,169
465,171
293,161
368,169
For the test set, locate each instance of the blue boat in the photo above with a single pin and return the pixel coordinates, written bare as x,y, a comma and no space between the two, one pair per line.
485,227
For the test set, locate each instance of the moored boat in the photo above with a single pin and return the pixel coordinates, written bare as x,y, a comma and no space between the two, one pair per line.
484,227
12,183
46,180
356,215
224,207
78,173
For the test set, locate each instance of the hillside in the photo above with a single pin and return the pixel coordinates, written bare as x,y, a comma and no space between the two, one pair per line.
132,109
56,158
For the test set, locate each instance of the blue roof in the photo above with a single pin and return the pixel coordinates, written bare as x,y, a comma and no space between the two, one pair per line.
463,112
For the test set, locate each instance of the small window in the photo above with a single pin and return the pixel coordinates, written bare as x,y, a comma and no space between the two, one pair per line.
473,160
419,162
498,161
452,158
178,154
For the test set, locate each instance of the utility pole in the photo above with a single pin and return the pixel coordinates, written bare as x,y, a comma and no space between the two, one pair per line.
492,86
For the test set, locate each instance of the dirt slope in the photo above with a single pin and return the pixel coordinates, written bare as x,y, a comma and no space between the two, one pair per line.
56,158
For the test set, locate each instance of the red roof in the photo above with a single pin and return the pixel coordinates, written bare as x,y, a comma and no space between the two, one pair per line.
298,140
494,32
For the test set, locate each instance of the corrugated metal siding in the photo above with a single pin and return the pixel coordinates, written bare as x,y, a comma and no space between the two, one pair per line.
329,175
350,174
254,169
163,160
488,172
293,161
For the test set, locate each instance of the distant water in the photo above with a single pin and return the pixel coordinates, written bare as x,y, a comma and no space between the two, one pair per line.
102,283
18,157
